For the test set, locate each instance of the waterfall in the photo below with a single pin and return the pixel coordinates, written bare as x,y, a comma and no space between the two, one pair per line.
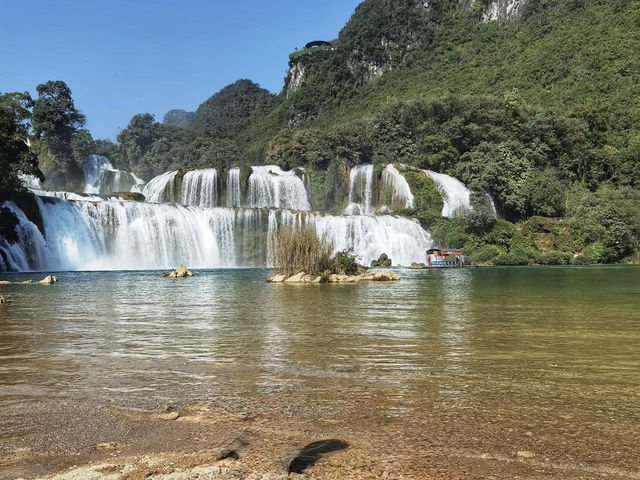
29,251
29,181
101,178
454,194
200,188
395,183
68,195
233,188
121,235
161,188
270,186
360,190
402,239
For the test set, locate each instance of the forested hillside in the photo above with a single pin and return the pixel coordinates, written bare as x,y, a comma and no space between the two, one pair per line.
534,102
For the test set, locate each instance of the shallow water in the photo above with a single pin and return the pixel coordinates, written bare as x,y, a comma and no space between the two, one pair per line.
551,353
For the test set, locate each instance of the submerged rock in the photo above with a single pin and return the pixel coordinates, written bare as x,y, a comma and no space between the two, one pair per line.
311,453
525,454
168,415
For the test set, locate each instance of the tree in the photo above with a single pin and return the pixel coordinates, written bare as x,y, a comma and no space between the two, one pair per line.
138,139
15,154
55,120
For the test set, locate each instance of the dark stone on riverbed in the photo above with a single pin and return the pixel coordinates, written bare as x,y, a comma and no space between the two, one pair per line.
313,452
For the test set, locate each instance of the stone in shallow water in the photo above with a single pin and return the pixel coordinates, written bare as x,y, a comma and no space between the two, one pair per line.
313,452
180,272
168,415
49,280
525,454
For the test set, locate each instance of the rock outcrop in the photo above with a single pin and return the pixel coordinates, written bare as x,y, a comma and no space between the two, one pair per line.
369,276
494,10
180,272
48,280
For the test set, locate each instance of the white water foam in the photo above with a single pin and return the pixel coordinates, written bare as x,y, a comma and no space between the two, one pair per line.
121,235
200,188
233,188
395,182
270,186
360,190
161,188
455,194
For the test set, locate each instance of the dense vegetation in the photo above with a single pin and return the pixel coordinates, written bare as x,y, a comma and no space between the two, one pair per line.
541,112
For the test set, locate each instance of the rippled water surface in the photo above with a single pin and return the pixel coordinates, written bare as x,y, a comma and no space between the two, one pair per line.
557,347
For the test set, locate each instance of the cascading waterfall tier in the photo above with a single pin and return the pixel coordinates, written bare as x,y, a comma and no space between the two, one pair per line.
234,197
122,235
361,190
270,186
208,221
398,189
161,189
455,194
200,188
101,178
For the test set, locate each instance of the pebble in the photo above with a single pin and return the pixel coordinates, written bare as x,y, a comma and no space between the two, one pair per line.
109,446
525,454
168,416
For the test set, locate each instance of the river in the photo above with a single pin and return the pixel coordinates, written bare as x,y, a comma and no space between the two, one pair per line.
441,373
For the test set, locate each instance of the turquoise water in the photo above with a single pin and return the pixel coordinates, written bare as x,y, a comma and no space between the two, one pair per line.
553,351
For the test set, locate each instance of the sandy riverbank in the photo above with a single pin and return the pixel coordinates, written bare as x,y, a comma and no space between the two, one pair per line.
65,440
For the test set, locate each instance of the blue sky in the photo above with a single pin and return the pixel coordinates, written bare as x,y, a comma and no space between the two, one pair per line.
121,58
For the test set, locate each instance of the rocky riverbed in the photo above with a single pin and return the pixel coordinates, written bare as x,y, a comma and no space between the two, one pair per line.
260,438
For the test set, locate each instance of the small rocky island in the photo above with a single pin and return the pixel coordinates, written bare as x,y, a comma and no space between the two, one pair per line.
301,256
367,276
180,272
